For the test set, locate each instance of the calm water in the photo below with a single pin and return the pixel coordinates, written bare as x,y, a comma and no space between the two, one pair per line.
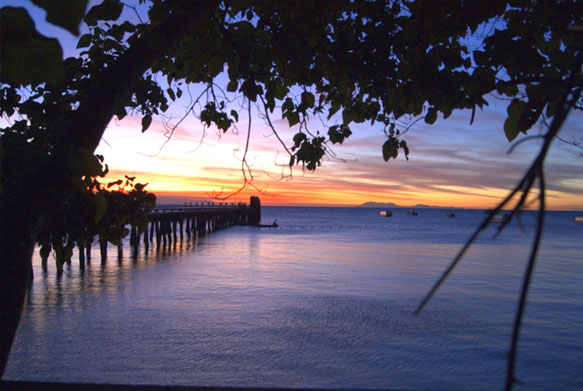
326,300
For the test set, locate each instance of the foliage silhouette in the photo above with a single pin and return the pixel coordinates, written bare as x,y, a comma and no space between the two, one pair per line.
95,210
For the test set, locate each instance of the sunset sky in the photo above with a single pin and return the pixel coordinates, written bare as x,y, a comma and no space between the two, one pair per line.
452,164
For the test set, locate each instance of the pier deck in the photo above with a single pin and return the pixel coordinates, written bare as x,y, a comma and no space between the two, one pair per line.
170,223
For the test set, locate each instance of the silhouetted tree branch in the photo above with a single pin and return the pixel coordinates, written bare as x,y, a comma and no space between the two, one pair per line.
571,95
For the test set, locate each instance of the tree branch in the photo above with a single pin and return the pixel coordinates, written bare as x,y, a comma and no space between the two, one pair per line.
568,100
510,379
113,85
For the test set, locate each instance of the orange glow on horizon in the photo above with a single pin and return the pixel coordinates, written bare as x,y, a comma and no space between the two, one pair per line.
306,197
191,167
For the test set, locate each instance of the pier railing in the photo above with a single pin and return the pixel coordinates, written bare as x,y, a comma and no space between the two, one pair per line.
169,224
196,206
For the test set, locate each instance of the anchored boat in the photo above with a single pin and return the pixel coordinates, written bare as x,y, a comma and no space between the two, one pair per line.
274,225
500,218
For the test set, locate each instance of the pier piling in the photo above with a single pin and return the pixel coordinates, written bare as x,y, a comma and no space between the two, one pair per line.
169,223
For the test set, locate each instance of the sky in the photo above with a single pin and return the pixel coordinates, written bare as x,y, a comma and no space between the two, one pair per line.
451,164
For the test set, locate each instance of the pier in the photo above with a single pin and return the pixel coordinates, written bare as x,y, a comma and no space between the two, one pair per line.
172,223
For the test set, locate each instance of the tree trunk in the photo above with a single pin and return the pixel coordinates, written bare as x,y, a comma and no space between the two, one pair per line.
31,187
17,245
20,219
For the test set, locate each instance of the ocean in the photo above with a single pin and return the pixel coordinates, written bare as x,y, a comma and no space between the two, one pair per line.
325,300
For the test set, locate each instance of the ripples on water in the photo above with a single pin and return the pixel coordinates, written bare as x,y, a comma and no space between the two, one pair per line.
326,300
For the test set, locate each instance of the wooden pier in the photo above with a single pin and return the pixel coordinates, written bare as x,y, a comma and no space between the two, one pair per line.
172,224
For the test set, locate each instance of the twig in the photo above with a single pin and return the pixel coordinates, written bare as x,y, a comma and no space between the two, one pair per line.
568,100
135,11
245,168
510,379
474,236
244,164
270,124
513,146
170,129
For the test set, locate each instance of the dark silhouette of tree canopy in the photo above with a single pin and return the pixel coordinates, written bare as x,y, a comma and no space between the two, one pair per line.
346,61
94,210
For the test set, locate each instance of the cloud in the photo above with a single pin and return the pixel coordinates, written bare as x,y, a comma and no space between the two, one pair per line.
451,164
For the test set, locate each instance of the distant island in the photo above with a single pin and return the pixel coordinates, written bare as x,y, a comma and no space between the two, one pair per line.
371,204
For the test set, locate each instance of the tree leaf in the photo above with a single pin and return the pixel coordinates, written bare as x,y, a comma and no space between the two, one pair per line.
232,86
338,133
108,10
308,99
82,162
215,65
334,107
511,128
84,41
403,145
146,121
431,116
250,90
347,116
288,105
511,124
66,14
28,58
553,106
281,91
115,183
298,139
390,149
293,118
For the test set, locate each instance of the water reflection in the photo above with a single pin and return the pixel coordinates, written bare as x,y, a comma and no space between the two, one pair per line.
305,305
98,277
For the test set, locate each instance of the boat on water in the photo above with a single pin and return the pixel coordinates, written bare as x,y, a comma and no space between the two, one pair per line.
578,219
412,212
500,218
450,213
386,213
274,225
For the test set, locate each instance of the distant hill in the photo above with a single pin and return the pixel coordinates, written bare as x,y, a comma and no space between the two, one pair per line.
371,204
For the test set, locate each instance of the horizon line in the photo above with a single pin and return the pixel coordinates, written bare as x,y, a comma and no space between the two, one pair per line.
194,199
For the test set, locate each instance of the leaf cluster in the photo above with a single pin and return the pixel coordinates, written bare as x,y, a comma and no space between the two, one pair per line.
382,61
345,62
96,210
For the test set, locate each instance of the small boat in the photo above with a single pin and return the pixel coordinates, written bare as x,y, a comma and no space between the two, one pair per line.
386,213
412,212
578,219
500,218
274,225
451,213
